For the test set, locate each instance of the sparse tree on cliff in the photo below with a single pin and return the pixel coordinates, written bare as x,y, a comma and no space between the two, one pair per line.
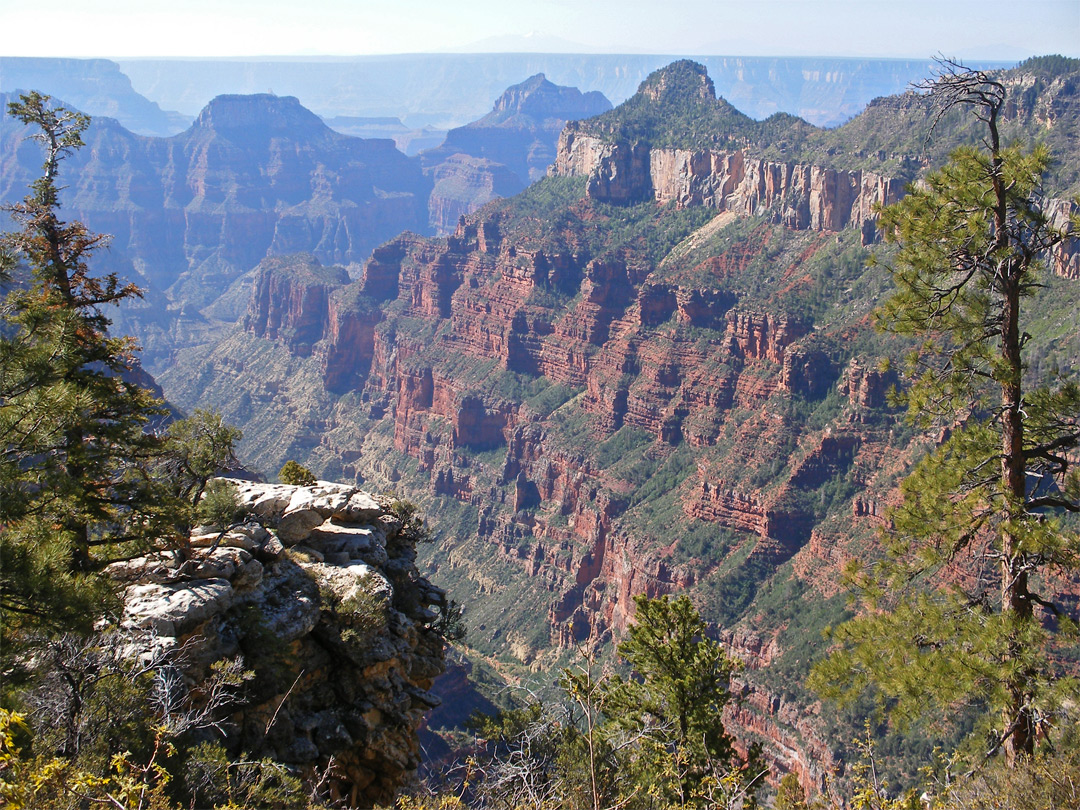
982,511
75,486
296,474
196,449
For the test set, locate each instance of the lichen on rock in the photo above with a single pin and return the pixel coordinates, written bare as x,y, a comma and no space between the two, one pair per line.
321,598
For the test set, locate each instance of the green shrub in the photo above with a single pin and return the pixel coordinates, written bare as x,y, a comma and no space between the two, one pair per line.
364,612
450,624
214,781
220,505
413,526
296,475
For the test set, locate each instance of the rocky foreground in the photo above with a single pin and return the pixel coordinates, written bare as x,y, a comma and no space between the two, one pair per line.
317,590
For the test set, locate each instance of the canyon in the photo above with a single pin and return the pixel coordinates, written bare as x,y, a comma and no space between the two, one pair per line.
653,371
261,175
189,215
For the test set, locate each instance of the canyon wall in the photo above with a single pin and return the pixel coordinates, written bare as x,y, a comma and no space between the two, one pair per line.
798,196
668,384
252,177
503,152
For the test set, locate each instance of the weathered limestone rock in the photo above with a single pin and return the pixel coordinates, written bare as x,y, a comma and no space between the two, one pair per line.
360,508
337,631
170,610
298,524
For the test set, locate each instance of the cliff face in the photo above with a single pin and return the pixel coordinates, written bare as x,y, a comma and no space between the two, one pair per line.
318,593
798,196
663,361
290,301
538,394
462,184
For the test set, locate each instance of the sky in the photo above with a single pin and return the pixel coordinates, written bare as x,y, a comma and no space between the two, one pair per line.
972,29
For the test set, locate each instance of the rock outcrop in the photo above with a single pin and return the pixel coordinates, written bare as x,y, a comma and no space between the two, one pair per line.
798,196
319,594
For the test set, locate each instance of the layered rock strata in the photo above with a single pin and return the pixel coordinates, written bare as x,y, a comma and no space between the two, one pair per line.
503,152
796,195
254,176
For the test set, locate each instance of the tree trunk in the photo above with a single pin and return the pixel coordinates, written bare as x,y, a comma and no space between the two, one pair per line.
1016,607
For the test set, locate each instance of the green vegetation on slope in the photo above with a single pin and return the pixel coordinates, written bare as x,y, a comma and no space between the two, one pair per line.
898,136
676,107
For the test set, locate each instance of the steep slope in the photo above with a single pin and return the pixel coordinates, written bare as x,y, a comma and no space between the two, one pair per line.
501,153
654,371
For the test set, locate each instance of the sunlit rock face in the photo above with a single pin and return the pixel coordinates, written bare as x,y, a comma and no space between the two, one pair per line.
253,177
318,593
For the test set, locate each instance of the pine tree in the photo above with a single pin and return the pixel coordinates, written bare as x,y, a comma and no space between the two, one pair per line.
982,510
196,449
76,482
676,699
292,472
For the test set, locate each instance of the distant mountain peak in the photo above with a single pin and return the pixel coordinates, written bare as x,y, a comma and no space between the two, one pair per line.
682,80
677,106
540,98
264,111
516,97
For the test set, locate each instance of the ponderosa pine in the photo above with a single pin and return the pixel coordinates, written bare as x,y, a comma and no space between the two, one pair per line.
981,511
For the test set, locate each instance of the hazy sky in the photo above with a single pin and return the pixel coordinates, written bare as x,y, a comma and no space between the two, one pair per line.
988,29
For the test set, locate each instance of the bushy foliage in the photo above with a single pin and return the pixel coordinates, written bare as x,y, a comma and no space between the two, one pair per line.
1049,781
212,779
790,794
76,484
106,728
652,737
414,529
219,506
450,624
293,473
198,448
